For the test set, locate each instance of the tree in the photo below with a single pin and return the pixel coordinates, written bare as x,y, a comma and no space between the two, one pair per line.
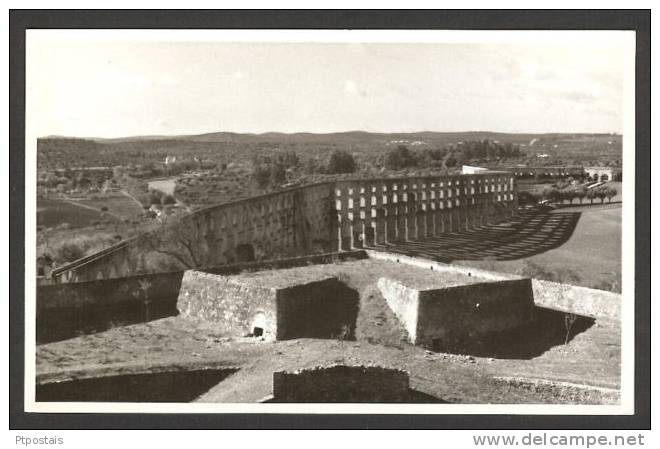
260,174
399,158
290,159
177,239
525,197
451,161
312,166
276,174
155,196
601,193
547,193
167,199
341,162
570,195
611,192
591,195
553,195
143,290
268,172
580,194
569,320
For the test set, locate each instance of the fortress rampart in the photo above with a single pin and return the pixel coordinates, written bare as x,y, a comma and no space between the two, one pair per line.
317,218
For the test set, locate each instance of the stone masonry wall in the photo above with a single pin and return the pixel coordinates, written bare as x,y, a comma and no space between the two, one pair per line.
236,305
552,295
67,310
320,309
404,302
339,383
73,308
311,219
449,317
281,308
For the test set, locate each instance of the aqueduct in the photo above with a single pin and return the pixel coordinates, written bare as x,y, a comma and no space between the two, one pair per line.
324,217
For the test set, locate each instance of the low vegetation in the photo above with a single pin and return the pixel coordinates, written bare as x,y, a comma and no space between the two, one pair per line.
74,248
560,194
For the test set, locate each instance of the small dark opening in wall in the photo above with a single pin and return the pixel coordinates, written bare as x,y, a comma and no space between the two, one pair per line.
257,331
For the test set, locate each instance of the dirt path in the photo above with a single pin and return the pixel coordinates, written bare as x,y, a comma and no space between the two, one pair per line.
125,193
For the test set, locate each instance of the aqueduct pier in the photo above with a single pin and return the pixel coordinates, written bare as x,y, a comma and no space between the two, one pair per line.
323,217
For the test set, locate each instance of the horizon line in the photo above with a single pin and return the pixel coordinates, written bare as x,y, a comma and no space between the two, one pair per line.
251,133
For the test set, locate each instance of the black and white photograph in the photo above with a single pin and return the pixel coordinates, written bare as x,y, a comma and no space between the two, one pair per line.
330,221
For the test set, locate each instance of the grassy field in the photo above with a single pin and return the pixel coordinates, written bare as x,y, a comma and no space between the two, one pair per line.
593,251
118,205
167,185
51,213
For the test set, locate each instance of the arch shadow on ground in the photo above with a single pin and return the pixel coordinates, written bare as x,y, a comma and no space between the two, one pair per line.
530,233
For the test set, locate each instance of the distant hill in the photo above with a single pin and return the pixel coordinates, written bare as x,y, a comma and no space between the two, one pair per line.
60,152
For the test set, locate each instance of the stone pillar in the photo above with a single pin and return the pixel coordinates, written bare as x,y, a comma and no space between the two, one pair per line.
345,237
411,223
430,223
391,223
474,214
460,220
437,222
369,234
421,224
357,230
380,222
400,222
411,216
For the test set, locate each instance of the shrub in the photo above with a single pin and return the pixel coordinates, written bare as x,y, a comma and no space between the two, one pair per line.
68,252
341,162
399,158
168,199
562,275
610,192
527,198
155,196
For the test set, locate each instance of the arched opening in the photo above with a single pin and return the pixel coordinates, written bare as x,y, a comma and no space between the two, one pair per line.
258,326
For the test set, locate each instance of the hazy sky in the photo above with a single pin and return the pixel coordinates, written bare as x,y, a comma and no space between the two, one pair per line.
116,89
